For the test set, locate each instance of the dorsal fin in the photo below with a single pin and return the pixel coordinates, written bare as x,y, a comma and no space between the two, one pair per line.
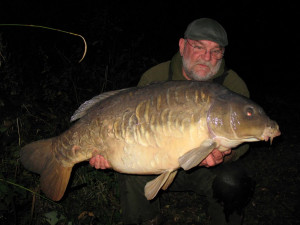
84,107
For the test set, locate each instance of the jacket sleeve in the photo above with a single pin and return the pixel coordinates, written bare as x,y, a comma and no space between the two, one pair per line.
239,151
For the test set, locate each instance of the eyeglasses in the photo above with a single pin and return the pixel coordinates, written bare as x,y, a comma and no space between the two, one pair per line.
216,54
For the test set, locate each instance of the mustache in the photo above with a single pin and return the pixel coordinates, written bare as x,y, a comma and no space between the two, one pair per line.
200,62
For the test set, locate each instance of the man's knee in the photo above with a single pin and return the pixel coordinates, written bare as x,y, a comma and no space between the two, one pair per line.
233,188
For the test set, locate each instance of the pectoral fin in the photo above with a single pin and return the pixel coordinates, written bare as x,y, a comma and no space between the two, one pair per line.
153,186
195,156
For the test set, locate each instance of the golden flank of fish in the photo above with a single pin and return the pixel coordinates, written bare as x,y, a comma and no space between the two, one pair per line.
154,129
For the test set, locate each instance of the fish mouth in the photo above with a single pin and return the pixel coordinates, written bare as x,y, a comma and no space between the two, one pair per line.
271,132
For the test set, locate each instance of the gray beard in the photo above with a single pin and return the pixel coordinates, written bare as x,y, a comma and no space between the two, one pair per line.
194,76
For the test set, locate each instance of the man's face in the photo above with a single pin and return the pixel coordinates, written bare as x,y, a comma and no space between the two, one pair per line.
199,64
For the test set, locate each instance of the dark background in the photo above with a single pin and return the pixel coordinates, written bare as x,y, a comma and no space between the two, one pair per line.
42,84
263,37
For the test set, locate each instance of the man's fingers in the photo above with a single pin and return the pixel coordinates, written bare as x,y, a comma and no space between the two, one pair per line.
98,164
107,165
227,152
92,161
217,155
214,158
210,160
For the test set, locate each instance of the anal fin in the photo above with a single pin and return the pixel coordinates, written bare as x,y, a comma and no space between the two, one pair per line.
195,156
169,180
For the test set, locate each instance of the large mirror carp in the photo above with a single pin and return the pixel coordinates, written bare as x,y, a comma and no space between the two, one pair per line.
155,129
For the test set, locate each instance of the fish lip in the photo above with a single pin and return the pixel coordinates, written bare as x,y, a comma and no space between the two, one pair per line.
270,133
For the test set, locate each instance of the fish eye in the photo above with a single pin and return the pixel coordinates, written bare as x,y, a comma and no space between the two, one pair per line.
249,111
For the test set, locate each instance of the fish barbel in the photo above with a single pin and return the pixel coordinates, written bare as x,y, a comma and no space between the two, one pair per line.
155,129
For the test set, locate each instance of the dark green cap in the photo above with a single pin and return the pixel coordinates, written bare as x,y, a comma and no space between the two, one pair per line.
206,29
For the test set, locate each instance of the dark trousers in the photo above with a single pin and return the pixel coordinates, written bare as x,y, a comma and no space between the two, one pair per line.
136,208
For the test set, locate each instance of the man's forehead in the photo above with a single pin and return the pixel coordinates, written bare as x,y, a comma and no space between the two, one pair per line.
207,43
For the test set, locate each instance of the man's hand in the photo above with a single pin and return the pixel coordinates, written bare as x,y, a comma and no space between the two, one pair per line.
99,162
214,158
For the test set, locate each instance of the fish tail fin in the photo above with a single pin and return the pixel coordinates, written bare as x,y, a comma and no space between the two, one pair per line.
38,157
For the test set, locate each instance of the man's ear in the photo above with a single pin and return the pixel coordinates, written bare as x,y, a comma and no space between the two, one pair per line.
181,45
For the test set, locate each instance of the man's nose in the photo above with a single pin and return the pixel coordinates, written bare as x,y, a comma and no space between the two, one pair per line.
207,56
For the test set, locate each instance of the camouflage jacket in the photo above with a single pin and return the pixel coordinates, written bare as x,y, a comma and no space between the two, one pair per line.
172,70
